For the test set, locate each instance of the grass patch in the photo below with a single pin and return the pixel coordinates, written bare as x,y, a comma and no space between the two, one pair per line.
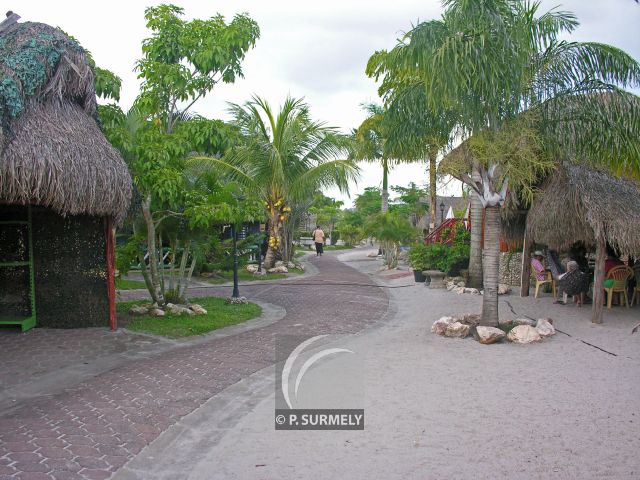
219,315
244,276
124,284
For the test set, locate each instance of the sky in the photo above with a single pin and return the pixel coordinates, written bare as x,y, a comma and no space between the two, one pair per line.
315,50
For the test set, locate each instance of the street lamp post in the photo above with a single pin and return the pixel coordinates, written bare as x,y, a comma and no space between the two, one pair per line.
236,291
441,212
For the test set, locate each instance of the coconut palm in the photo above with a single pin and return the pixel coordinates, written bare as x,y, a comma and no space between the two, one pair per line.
283,158
494,59
369,146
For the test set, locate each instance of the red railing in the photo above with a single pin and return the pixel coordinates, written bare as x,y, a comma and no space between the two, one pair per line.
445,232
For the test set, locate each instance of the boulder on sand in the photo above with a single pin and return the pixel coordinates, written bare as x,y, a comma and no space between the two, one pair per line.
489,335
523,334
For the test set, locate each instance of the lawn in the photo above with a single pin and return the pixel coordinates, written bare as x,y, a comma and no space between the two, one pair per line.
244,276
124,284
219,315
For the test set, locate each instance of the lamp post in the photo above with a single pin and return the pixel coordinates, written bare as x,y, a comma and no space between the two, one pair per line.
236,291
441,212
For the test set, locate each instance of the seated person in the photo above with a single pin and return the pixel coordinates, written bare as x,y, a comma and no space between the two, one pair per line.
575,283
612,260
538,267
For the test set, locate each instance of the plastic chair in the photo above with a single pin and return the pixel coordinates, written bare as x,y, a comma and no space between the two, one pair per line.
620,276
636,291
547,279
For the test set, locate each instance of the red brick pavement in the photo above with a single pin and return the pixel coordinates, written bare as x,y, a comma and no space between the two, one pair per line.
92,429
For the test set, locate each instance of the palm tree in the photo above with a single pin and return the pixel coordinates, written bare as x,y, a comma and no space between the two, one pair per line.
370,140
494,59
283,158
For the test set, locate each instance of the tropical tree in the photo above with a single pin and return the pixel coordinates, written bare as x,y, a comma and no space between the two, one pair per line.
392,230
283,158
182,62
369,146
492,60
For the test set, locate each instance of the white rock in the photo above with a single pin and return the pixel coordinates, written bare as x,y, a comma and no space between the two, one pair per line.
457,329
198,309
461,284
503,289
489,335
278,269
524,321
472,291
545,328
440,325
523,334
472,319
252,268
156,312
178,309
459,290
138,310
279,263
372,255
291,265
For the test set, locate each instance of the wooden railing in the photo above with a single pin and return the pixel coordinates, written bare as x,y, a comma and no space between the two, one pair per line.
445,232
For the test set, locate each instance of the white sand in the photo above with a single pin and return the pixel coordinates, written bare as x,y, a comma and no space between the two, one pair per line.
440,408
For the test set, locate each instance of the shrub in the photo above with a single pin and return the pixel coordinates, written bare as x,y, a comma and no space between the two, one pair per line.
449,259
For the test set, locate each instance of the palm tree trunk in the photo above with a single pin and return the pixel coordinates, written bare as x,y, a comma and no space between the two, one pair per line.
491,263
275,234
385,187
598,291
475,255
433,198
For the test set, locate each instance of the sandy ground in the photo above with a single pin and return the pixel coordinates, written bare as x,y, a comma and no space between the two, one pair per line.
439,408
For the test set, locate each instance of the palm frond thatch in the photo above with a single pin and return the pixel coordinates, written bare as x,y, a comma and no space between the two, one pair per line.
52,152
578,203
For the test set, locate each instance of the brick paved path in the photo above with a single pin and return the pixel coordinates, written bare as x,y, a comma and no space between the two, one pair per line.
90,430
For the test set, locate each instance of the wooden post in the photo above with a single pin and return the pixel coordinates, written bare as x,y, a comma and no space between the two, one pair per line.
525,272
111,272
598,280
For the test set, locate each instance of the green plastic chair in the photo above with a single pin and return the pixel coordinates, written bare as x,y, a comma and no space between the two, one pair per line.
620,276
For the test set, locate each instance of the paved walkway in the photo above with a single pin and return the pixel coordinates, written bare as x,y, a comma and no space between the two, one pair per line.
435,408
90,429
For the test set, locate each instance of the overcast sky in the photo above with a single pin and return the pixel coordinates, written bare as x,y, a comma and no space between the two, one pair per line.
317,50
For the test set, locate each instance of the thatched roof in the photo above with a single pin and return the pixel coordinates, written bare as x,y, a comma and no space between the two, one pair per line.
577,203
52,152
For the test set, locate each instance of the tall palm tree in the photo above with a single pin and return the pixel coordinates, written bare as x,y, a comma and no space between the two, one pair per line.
494,59
284,158
370,146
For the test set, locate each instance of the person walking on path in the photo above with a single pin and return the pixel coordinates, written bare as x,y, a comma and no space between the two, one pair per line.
318,238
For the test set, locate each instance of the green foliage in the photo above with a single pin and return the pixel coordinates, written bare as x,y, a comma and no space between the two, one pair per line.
127,253
176,326
410,201
390,227
435,256
351,234
183,60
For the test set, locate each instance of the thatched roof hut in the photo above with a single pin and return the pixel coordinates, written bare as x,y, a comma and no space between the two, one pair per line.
62,185
52,152
579,204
